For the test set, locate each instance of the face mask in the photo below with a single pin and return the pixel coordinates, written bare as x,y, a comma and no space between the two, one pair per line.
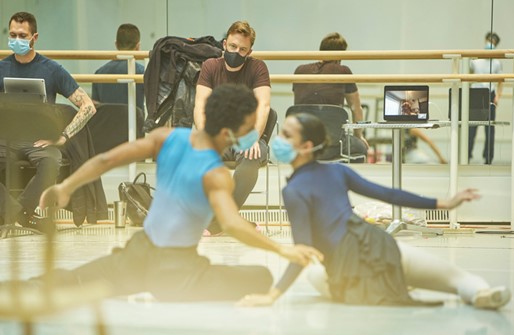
283,151
19,46
489,46
233,59
244,142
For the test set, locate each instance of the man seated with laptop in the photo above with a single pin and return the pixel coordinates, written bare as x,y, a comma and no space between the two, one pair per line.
43,154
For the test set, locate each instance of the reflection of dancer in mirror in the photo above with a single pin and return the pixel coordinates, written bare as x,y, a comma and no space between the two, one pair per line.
413,154
364,264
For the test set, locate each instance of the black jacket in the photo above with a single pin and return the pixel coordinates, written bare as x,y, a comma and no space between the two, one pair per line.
168,61
88,202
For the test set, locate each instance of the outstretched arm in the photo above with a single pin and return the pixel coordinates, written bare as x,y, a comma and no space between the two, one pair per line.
59,195
469,194
218,186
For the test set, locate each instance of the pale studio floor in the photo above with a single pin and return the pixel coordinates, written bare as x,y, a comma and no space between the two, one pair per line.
299,311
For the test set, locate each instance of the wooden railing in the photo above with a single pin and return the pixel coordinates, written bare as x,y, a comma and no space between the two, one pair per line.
456,79
309,55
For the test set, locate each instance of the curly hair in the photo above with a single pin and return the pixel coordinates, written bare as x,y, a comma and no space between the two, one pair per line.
227,107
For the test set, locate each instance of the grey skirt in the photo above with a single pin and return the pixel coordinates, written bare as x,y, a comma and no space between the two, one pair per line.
366,268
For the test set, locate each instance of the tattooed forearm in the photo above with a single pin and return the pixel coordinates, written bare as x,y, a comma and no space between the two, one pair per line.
78,97
86,110
79,121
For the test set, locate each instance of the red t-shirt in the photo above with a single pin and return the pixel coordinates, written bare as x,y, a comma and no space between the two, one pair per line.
253,74
328,93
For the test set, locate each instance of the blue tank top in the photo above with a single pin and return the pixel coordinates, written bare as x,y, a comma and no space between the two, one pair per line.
180,210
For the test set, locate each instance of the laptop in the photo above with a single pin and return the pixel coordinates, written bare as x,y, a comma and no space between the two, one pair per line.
26,89
479,102
405,103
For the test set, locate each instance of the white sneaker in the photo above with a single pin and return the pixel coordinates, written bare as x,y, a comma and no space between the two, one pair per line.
492,298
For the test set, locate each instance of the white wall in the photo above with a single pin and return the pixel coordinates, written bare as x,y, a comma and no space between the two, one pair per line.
293,25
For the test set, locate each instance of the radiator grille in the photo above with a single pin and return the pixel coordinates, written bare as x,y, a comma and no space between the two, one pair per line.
275,216
437,215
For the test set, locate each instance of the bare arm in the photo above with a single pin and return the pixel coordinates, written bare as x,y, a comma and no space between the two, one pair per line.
354,101
421,135
202,93
123,154
219,186
86,110
263,96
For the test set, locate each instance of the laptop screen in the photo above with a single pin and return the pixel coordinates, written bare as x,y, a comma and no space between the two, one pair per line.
33,87
406,103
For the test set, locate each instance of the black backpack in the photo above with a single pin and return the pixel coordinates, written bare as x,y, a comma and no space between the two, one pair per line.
138,196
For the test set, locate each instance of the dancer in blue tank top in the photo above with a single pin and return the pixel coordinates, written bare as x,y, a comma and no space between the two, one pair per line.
364,265
192,186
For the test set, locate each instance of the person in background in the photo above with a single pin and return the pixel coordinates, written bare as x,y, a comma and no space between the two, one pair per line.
236,66
45,155
332,93
487,66
128,38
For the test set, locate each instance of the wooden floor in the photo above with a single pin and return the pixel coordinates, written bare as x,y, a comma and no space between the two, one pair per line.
299,311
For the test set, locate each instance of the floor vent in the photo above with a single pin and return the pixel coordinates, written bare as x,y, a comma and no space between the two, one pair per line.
437,215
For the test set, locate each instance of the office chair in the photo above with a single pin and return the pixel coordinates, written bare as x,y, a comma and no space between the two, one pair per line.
340,142
109,126
271,124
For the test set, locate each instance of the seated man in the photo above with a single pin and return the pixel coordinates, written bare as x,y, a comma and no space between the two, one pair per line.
43,154
238,67
332,93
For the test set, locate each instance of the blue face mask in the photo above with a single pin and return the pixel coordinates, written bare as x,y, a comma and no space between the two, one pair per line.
244,142
283,151
19,46
489,46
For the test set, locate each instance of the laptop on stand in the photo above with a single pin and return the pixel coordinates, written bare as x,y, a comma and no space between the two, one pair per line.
406,104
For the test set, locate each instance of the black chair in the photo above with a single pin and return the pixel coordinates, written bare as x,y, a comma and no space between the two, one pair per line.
342,147
109,126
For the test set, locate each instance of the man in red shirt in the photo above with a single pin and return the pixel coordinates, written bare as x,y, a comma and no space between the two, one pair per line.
238,67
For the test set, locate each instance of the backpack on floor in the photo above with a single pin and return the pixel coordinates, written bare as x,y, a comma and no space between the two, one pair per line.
138,196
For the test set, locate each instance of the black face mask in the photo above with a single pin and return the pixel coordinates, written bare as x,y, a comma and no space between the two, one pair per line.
233,59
